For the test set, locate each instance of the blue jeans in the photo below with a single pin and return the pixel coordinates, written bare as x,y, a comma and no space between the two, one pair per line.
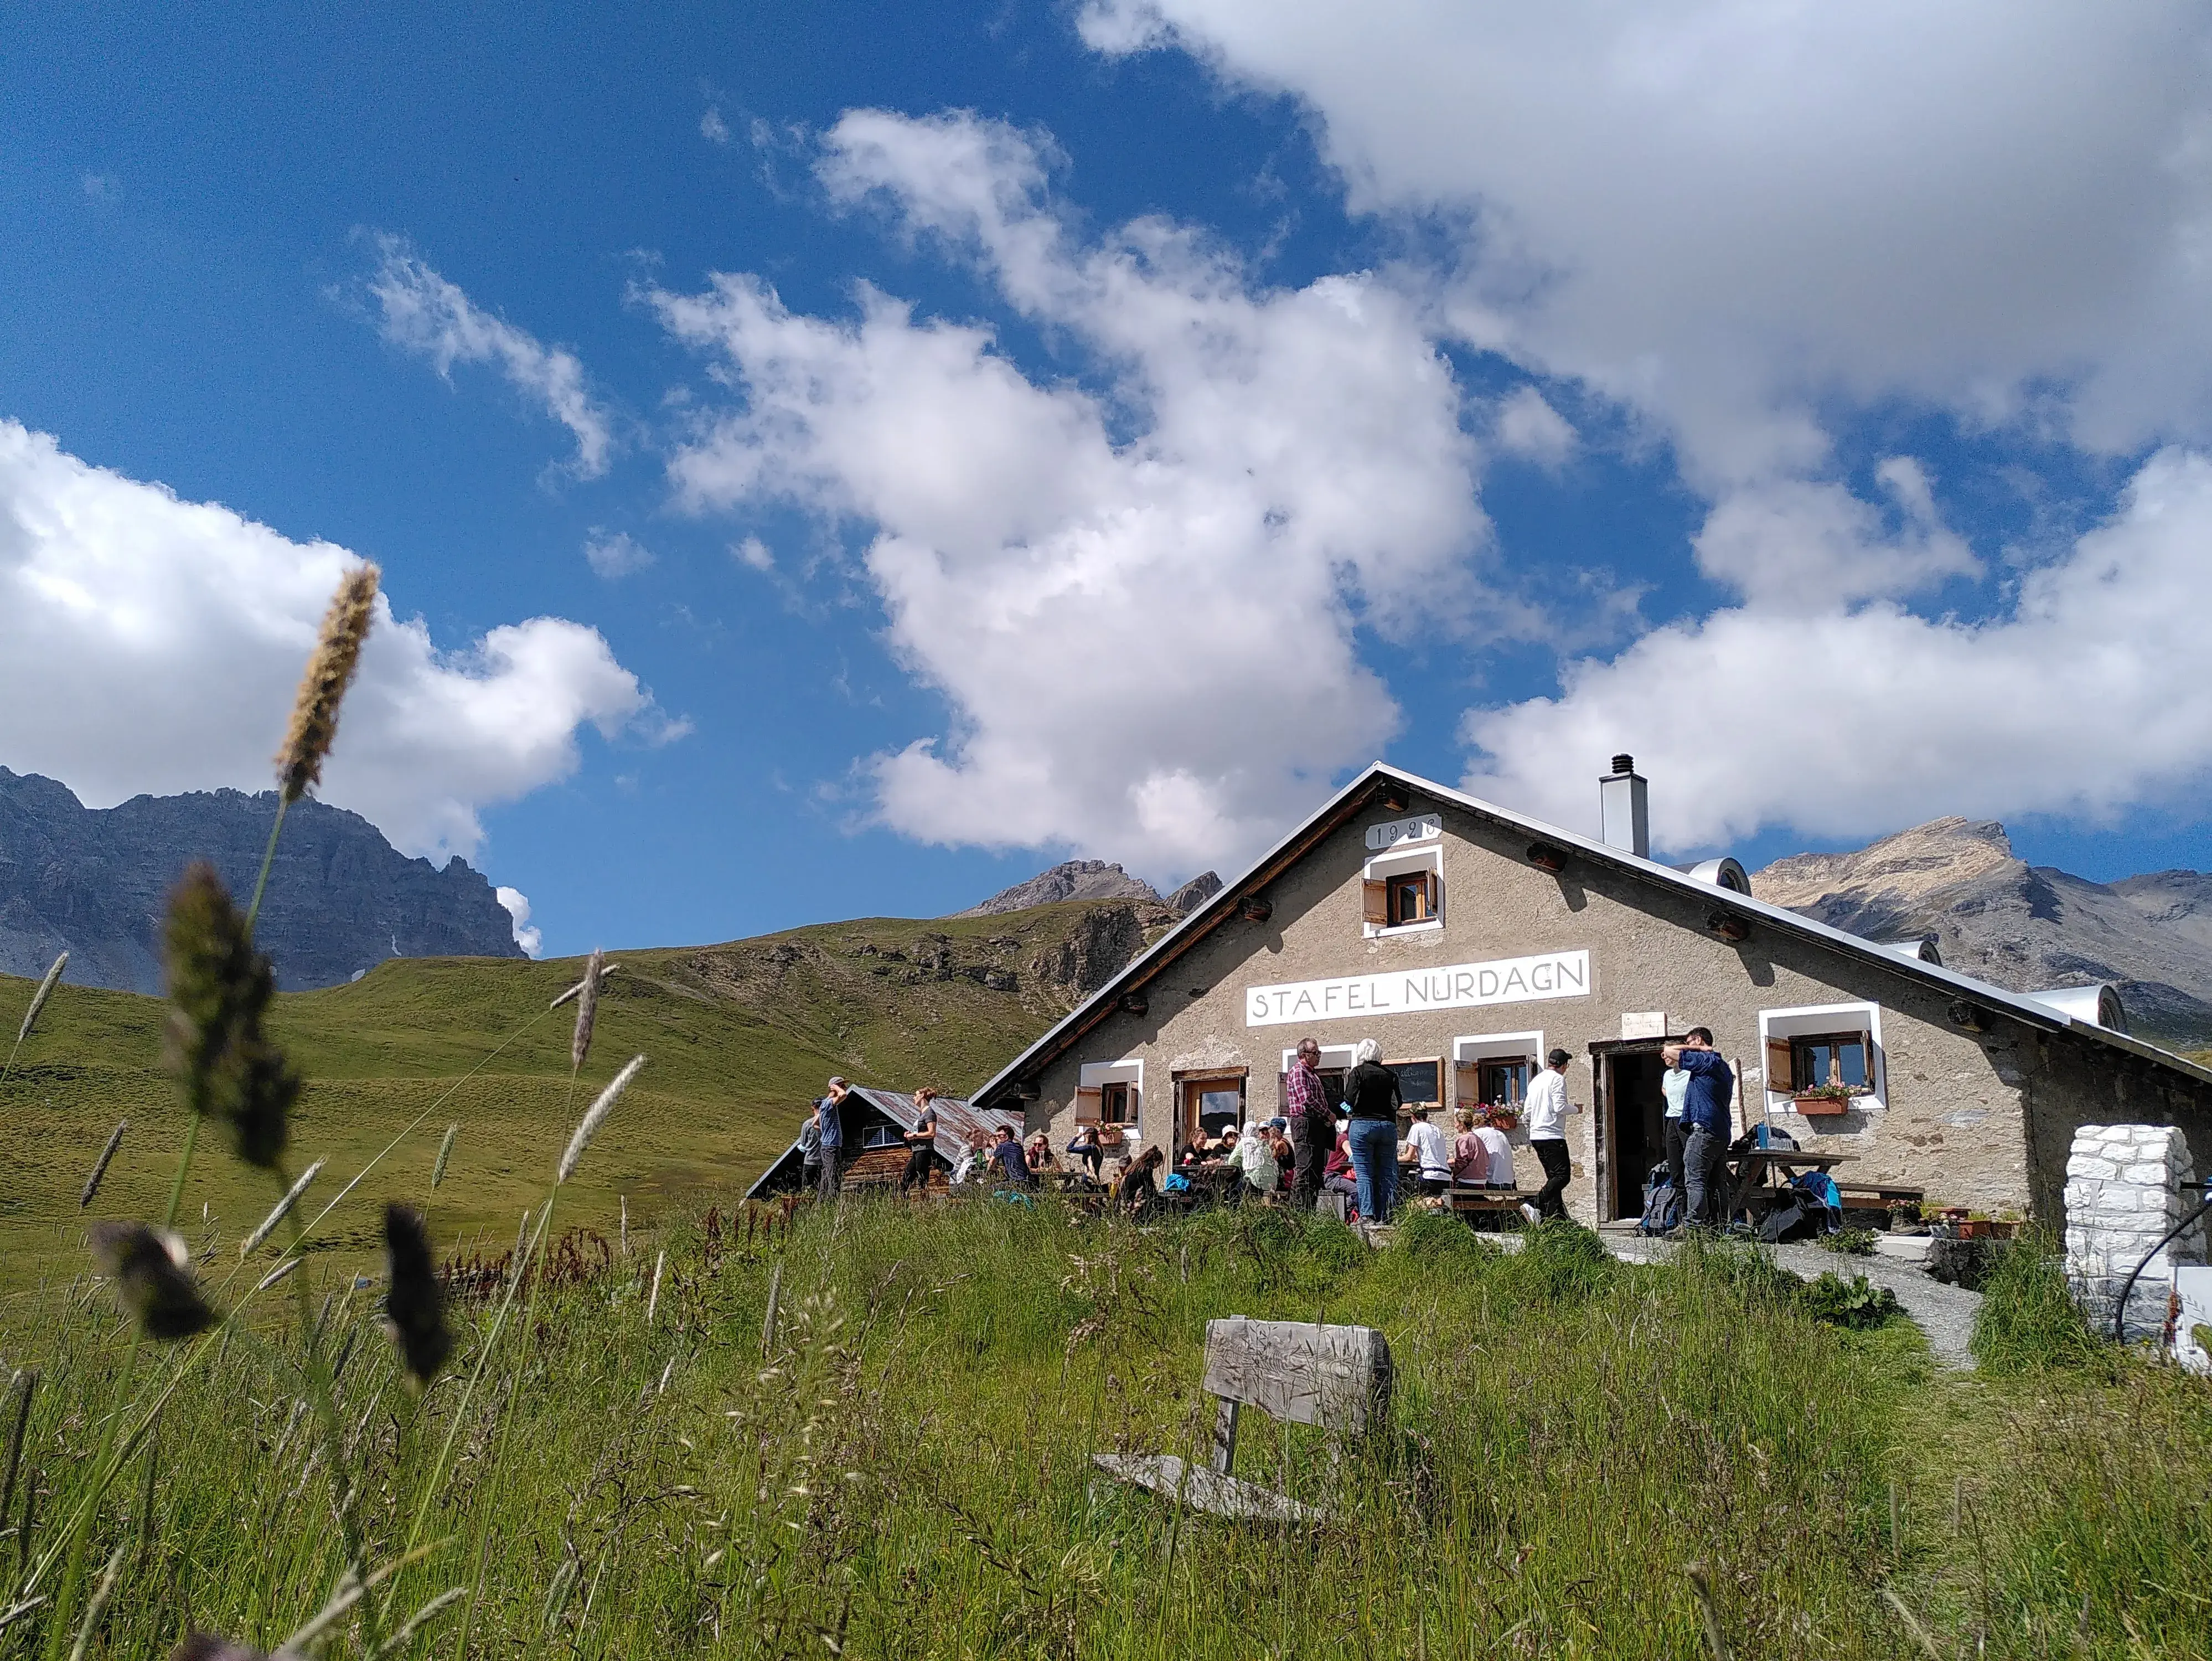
1374,1164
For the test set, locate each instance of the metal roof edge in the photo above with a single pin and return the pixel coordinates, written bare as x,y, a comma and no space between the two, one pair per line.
2019,1006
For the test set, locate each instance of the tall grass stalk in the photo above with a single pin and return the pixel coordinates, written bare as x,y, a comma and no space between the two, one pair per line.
31,1014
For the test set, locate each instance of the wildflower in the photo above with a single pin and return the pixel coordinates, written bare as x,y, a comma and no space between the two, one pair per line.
588,1008
291,1197
150,1268
100,1165
39,998
445,1152
323,687
595,1116
414,1302
221,988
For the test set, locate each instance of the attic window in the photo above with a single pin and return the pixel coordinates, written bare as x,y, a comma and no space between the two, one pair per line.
880,1135
1402,891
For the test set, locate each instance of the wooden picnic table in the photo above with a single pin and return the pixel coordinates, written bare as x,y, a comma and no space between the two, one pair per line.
1755,1166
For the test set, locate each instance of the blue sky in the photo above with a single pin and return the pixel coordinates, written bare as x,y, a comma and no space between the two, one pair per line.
1153,411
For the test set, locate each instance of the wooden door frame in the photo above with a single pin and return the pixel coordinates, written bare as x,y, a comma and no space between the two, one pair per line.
1603,1107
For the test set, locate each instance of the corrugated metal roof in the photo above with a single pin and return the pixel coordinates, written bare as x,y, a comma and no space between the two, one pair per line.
2019,1006
960,1126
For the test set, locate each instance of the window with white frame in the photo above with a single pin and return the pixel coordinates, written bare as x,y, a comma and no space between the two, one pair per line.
881,1135
1823,1053
1495,1069
1110,1095
1403,890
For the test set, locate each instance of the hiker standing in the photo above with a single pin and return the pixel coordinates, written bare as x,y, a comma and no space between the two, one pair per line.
920,1141
1546,1110
810,1150
830,1120
1313,1127
1370,1098
1705,1116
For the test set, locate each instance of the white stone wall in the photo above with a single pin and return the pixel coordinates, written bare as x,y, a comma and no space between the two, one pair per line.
2124,1191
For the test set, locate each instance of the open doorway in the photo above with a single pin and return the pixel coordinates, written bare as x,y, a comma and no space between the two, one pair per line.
1632,1113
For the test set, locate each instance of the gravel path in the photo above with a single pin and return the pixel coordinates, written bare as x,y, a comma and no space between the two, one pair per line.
1945,1313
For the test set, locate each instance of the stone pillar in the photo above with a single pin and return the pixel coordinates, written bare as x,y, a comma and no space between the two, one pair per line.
2124,1191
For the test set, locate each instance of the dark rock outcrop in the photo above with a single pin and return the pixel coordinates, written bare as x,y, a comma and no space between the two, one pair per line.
341,899
2024,927
1194,893
1076,880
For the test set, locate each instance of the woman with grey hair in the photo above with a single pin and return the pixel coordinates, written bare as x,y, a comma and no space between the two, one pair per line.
1372,1099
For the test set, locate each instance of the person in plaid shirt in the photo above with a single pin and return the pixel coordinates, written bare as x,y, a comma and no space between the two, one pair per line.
1313,1127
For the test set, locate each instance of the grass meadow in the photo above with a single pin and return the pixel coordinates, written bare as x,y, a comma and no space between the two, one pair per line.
633,1467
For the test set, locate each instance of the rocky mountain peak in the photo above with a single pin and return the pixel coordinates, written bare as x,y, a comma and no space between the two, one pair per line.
342,899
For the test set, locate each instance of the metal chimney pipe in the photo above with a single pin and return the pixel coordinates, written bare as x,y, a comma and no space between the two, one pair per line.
1625,808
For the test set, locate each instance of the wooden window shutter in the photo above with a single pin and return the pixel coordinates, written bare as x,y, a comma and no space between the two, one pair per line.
1087,1108
1779,1074
1436,885
1375,902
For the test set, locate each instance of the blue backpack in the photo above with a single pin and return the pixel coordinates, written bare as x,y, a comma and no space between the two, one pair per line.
1663,1203
1817,1192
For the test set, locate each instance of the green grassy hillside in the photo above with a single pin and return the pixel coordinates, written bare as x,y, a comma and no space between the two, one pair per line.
739,1038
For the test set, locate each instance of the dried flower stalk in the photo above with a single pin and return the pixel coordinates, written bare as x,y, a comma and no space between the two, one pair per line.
150,1268
221,988
577,990
445,1152
100,1165
587,1008
595,1116
414,1302
323,688
291,1198
39,998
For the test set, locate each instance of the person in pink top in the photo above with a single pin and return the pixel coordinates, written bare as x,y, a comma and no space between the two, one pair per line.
1470,1160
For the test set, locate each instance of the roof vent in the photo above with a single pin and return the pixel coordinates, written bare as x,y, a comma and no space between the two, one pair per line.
2095,1005
1723,873
1625,808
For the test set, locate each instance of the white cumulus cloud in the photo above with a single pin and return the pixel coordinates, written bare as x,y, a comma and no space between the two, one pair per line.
1138,594
2087,697
425,313
532,940
149,644
1530,428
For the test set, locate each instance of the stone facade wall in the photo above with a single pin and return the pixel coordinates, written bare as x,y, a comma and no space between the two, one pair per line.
2122,1192
1956,1122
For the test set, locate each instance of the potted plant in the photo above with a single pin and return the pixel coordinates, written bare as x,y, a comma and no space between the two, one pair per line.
1823,1099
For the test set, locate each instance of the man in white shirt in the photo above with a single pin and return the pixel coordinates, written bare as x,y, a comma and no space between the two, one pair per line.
1500,1151
1546,1113
1431,1157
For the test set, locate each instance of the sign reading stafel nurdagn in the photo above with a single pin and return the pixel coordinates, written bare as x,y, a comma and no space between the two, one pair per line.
1409,991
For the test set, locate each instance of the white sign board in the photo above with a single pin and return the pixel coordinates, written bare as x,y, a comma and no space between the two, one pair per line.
1424,827
1410,991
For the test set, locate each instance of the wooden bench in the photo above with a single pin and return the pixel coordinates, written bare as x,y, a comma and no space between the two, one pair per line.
1337,1377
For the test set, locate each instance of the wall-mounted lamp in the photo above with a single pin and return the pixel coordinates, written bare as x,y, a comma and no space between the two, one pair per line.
1968,1017
1255,910
1730,927
1545,857
1134,1003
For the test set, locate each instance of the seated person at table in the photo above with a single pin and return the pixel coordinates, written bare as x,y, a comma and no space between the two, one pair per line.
1470,1160
1012,1169
1255,1157
1501,1153
1039,1157
1085,1150
1140,1184
1336,1174
1432,1160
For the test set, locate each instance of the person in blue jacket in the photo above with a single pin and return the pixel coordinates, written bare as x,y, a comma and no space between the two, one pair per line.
1705,1123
